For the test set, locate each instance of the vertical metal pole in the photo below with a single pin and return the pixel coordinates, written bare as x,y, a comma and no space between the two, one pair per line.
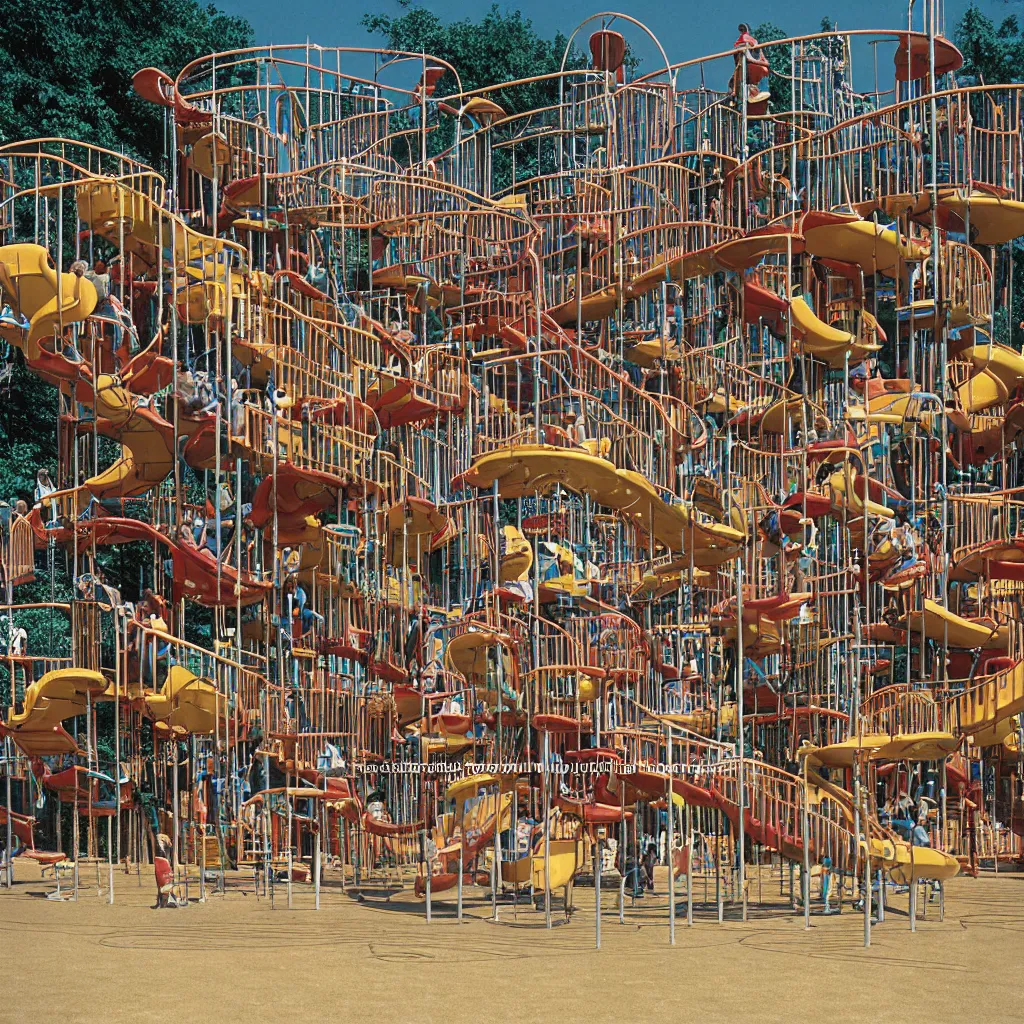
288,838
546,781
867,883
316,859
110,846
805,873
741,853
718,867
9,854
462,858
670,847
75,839
174,808
429,861
913,905
689,867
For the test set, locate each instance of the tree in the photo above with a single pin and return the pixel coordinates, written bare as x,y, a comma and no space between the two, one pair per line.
779,83
500,47
991,55
66,69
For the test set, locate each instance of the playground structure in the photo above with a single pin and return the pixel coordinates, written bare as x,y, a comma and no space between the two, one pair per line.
508,483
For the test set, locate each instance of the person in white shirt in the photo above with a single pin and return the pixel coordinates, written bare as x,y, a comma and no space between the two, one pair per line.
44,486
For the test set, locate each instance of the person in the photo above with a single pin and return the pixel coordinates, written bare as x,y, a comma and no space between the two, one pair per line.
746,41
227,528
650,859
164,872
826,883
452,705
630,871
237,410
306,616
575,428
194,536
44,486
906,821
715,210
677,318
904,538
17,321
652,379
316,275
100,280
13,639
43,489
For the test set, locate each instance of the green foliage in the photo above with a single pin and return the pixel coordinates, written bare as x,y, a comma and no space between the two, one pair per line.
835,48
991,55
66,69
779,81
28,433
500,47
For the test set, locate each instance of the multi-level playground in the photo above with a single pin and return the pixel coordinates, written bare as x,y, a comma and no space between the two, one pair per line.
467,500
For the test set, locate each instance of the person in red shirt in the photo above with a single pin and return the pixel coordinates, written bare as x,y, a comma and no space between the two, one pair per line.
163,871
745,40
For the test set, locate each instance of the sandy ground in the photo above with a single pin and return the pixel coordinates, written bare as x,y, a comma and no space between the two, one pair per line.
234,958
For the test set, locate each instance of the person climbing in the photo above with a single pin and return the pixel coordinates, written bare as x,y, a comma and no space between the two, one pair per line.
647,865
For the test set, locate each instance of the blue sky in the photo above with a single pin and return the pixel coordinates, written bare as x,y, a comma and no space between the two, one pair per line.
686,30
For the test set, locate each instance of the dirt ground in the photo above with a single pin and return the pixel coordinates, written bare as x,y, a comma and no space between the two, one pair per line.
235,958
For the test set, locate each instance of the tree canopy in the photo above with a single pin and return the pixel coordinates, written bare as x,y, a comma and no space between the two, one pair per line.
991,55
66,69
502,46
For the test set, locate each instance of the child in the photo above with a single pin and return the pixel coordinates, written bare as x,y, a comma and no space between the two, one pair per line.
650,859
164,872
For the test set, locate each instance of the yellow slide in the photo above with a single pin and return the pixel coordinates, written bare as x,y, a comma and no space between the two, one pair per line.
918,746
938,623
516,556
993,220
186,704
978,711
524,470
57,696
848,495
564,856
35,290
468,654
51,700
202,297
830,344
904,863
997,371
469,786
907,863
147,455
869,245
117,209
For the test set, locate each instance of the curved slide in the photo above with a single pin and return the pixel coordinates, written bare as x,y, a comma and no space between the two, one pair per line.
830,344
59,695
525,470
